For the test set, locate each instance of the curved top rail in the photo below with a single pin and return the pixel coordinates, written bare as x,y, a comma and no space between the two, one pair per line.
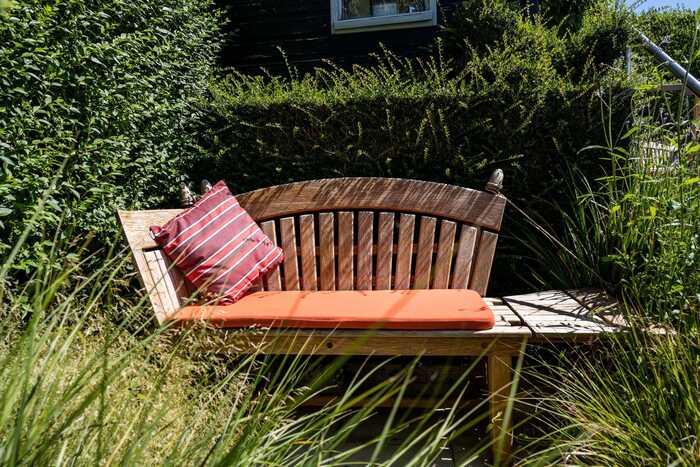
382,194
483,209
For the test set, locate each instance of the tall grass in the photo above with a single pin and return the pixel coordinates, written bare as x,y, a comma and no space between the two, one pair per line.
635,231
76,388
634,402
633,399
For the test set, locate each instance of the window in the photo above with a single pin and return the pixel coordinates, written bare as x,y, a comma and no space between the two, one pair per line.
369,15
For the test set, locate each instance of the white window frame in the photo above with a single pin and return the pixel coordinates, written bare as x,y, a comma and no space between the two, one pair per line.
378,23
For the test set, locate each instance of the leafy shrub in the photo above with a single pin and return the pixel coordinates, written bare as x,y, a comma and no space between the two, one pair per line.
404,118
583,38
673,30
509,101
479,24
568,15
637,233
599,41
634,402
104,93
509,107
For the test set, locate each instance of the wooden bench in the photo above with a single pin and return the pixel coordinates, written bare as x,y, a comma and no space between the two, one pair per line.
380,233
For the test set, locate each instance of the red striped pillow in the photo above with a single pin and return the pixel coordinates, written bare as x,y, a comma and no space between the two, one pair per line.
218,247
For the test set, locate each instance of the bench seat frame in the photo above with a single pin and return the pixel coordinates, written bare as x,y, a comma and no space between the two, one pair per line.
380,233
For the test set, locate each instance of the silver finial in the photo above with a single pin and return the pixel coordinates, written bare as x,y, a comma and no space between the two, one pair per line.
495,183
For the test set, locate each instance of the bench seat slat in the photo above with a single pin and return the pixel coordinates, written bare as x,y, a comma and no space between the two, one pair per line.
555,314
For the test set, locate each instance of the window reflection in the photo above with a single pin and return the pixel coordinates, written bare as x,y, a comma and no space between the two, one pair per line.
370,8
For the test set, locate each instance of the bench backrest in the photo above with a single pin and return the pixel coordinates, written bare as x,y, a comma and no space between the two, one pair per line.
350,233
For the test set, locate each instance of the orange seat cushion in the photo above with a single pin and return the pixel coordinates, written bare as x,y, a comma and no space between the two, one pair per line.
355,309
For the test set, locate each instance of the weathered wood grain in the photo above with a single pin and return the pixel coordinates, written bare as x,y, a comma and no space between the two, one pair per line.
500,375
326,223
424,252
289,246
410,343
365,238
385,248
272,280
555,315
443,258
377,194
135,225
345,251
158,284
486,249
168,274
404,253
464,256
307,245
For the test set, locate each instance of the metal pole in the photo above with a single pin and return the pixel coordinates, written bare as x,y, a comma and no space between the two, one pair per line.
681,73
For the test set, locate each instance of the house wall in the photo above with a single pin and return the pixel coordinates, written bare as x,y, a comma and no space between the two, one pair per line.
302,28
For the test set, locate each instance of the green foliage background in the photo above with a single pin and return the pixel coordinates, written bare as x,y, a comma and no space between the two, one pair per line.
124,101
104,93
671,29
107,104
502,91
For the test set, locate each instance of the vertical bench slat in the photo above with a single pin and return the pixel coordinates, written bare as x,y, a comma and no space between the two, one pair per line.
271,281
463,257
443,259
385,248
327,253
168,273
155,285
482,265
289,246
308,251
345,251
424,252
178,286
365,236
404,254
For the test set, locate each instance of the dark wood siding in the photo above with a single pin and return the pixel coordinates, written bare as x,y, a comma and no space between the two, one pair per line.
302,28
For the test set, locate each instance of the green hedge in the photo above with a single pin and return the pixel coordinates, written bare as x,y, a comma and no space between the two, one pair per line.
456,136
523,97
447,132
117,96
106,92
674,31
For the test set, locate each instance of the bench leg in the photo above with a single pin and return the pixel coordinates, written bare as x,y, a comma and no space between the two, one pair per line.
500,376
